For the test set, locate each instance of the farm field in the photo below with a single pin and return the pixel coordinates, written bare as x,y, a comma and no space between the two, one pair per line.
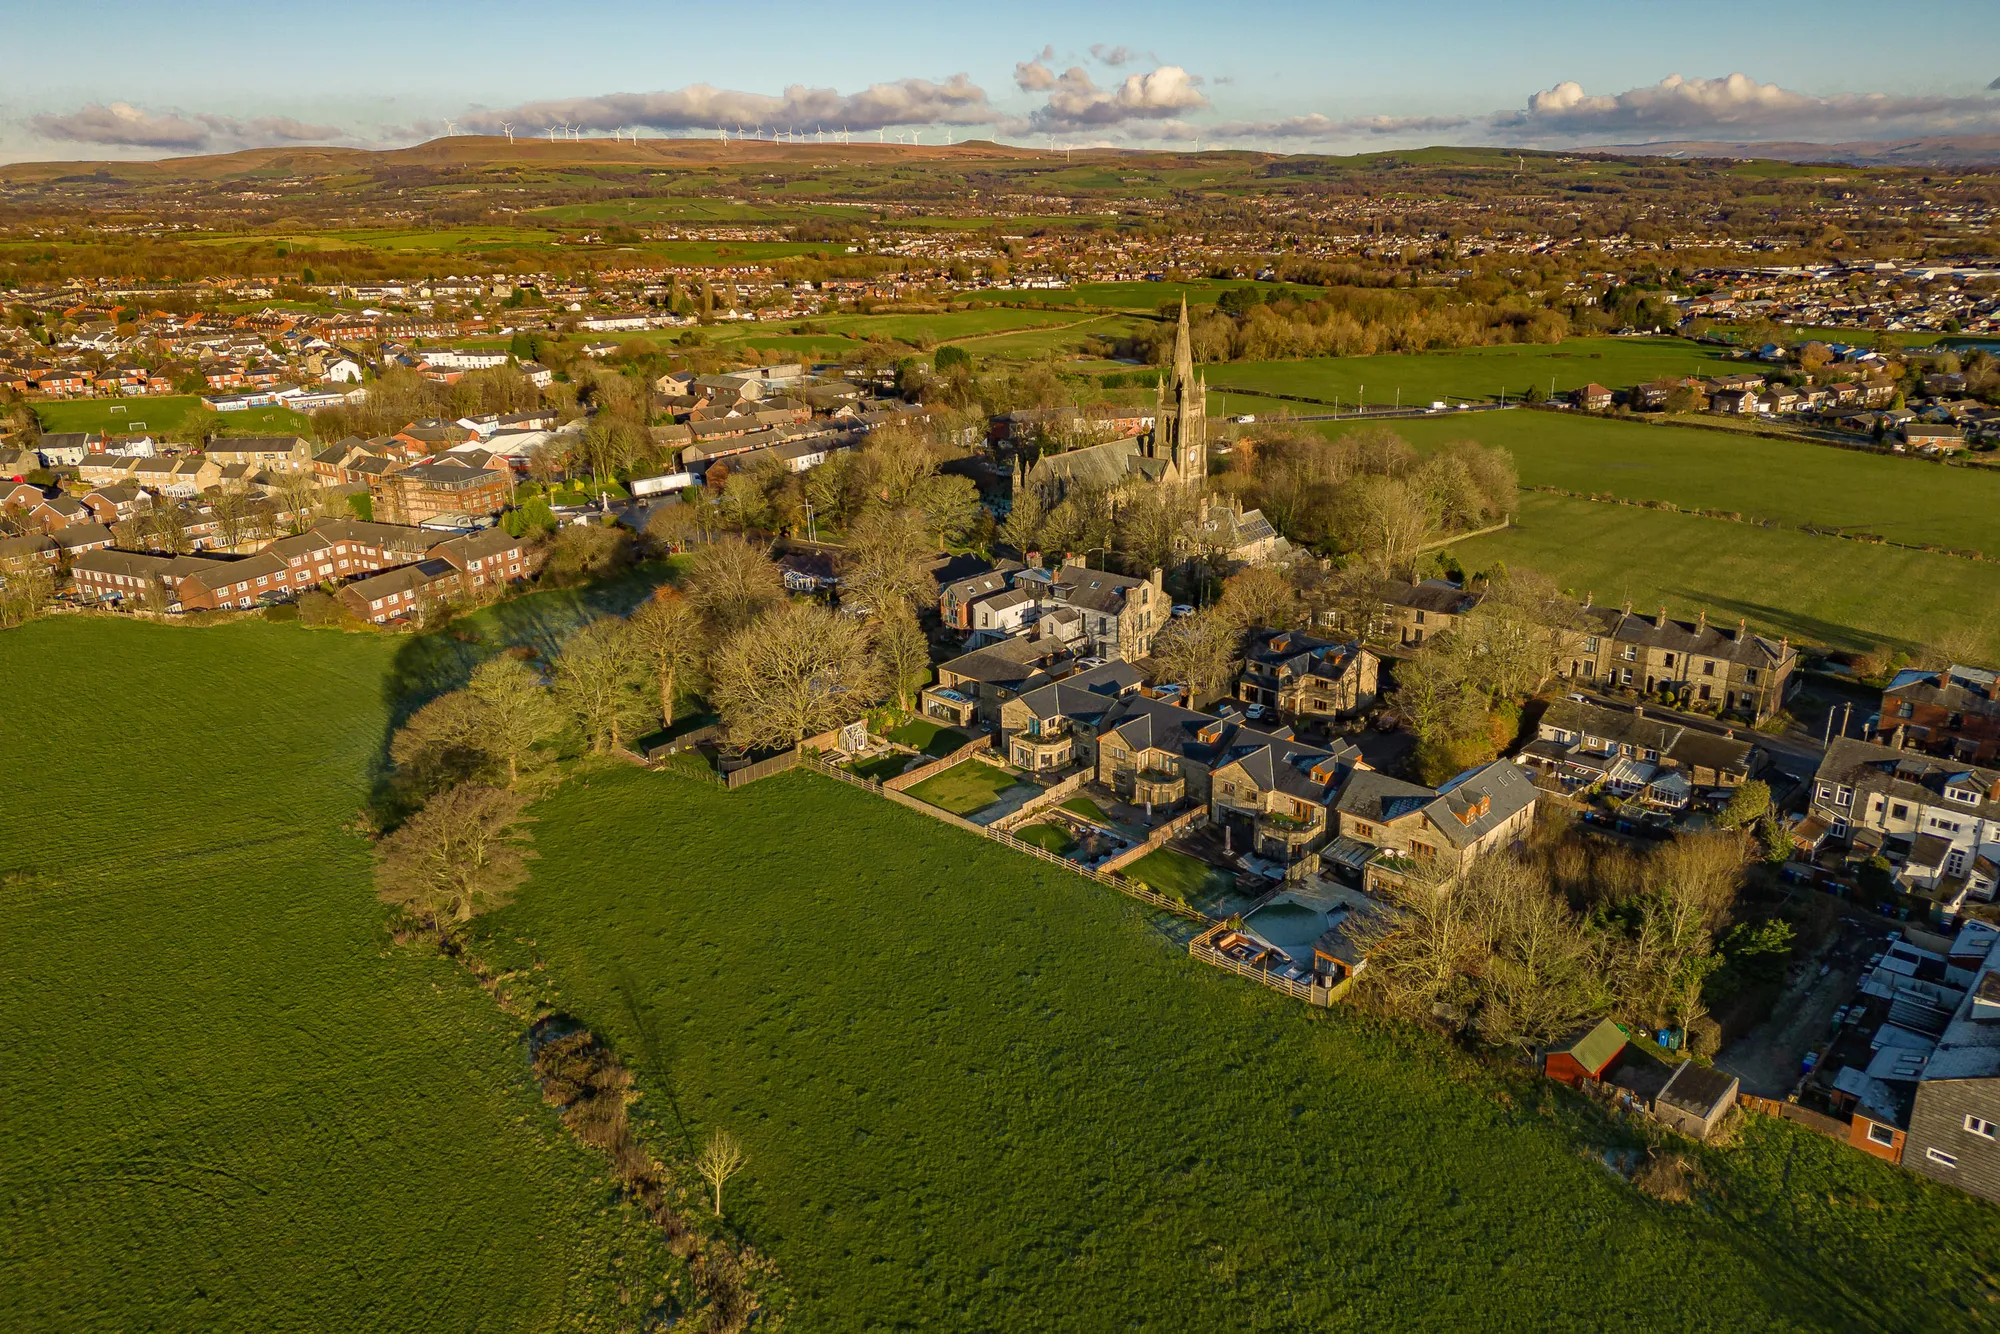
230,1103
1475,373
978,1092
1898,497
166,413
1820,589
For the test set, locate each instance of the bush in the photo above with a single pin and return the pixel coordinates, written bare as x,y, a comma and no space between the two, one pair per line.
317,609
281,612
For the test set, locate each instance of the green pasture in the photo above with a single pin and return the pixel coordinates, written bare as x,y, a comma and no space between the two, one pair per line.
230,1103
1824,590
979,1092
1476,373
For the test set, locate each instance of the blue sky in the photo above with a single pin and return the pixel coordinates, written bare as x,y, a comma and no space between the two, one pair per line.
122,79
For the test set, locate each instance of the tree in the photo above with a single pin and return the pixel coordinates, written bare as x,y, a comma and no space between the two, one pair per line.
1198,650
519,714
672,527
26,586
720,1159
586,551
462,854
891,553
731,585
230,508
442,745
297,494
597,678
1155,526
1258,596
1387,522
668,634
904,651
1749,803
799,670
949,505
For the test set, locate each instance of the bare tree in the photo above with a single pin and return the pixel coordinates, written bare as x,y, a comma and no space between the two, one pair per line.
720,1159
732,584
597,677
230,506
297,494
1198,650
670,638
1387,522
904,651
519,713
460,855
442,745
891,553
800,670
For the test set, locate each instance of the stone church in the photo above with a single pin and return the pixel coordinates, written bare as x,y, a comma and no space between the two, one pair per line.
1173,454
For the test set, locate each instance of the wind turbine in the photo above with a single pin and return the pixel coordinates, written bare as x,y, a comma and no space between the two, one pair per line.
450,126
507,127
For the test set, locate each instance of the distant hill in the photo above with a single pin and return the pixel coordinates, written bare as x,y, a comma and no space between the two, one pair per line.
1944,150
494,150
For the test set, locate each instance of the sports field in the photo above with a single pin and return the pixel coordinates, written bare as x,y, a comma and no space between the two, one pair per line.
979,1092
229,1103
166,413
1825,590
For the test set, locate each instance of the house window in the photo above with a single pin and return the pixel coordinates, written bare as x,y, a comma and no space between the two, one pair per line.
1980,1126
1899,811
1707,669
1750,676
1670,659
1881,1134
1906,710
1843,796
1941,1158
1631,655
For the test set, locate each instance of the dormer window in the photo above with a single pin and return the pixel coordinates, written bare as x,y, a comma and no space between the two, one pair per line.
1962,796
1843,796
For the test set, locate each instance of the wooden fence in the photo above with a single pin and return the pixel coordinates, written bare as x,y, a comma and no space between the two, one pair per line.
1831,1127
1126,887
1034,806
909,779
1153,841
1202,948
750,773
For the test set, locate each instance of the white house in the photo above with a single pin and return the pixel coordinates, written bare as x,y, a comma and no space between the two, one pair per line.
341,370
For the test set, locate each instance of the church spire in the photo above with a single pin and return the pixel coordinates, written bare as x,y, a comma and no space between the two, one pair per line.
1183,350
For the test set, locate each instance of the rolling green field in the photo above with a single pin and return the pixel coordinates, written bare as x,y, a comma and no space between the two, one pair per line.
1476,373
978,1092
167,413
230,1104
1898,497
1821,589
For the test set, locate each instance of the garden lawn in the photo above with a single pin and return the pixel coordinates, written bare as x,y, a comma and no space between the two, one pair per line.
924,735
1826,590
881,768
1049,837
1177,875
970,786
979,1092
1087,808
230,1103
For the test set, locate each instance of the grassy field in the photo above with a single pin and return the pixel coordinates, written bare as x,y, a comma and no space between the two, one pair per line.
1795,482
964,788
1822,589
167,413
230,1103
1476,373
978,1092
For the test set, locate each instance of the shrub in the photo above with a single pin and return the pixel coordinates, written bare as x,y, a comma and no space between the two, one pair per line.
317,609
281,611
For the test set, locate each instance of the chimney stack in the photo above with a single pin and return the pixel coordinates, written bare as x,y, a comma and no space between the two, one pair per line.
1662,622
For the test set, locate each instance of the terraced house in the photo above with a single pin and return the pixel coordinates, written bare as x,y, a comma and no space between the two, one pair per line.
1953,712
1666,764
1935,821
1697,663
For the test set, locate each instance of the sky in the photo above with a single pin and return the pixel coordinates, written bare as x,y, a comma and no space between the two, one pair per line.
120,79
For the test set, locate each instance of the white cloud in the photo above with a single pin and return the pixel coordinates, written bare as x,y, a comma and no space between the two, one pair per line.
956,101
1033,76
1739,106
1114,56
122,125
1076,103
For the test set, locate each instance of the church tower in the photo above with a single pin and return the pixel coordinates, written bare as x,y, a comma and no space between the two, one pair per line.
1180,415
